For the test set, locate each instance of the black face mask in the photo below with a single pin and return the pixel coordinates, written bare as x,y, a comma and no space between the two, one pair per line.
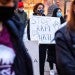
41,11
6,13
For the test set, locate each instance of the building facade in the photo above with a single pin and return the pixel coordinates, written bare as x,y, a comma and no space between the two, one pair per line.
29,4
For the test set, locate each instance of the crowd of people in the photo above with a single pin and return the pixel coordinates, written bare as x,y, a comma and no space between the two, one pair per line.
14,58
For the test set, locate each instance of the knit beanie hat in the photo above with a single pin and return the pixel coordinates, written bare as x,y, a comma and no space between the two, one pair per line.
20,4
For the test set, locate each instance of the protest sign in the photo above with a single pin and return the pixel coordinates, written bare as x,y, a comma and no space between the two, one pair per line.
43,28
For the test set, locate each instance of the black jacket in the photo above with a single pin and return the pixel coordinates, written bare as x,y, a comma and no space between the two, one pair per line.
22,63
36,14
19,24
23,17
65,51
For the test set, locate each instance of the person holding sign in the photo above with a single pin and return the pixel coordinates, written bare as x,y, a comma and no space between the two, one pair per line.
65,45
38,10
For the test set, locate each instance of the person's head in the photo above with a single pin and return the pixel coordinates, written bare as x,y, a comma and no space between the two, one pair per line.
7,8
39,9
57,12
20,6
58,3
71,17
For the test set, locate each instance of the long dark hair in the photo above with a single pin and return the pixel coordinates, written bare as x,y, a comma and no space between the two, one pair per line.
62,20
55,12
36,6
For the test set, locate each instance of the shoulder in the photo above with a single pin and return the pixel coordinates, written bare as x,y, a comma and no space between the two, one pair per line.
61,33
15,21
15,17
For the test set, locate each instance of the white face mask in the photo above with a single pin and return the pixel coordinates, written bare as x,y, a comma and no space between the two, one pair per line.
21,9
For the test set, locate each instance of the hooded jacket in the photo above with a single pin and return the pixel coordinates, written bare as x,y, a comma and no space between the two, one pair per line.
65,51
22,63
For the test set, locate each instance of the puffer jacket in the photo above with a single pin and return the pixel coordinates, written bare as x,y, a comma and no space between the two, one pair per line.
22,63
65,51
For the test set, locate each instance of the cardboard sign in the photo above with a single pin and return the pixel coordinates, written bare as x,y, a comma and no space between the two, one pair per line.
43,28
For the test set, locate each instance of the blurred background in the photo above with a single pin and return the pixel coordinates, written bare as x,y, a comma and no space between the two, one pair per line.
63,4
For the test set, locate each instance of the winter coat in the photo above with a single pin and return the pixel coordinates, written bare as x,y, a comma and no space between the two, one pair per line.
22,63
23,16
65,51
19,25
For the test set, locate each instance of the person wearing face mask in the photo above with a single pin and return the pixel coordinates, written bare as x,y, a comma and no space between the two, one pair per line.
58,13
51,58
21,14
38,10
14,58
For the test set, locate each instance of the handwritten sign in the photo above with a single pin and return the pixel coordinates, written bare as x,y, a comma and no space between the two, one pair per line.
43,28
